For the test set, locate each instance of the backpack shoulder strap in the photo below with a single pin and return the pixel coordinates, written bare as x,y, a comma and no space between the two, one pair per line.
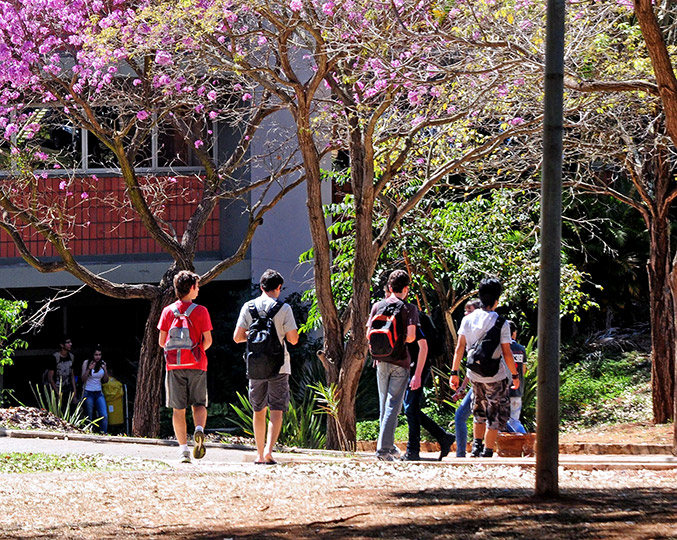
500,321
274,309
175,310
190,310
251,305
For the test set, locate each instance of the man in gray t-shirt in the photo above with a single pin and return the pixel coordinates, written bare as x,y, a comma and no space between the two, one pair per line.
271,393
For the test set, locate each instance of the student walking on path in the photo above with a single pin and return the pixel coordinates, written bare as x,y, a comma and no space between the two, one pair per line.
268,370
491,381
185,334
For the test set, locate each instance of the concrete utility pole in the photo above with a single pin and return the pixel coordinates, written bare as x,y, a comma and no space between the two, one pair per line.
547,414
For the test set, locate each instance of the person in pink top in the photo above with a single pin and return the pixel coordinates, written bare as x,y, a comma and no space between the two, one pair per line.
186,382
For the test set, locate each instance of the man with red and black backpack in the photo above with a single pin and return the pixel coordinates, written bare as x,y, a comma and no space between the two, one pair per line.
185,335
392,323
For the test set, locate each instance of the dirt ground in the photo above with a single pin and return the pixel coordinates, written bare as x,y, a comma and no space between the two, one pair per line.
336,501
347,499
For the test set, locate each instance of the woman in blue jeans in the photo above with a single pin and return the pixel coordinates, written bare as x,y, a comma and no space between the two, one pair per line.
94,373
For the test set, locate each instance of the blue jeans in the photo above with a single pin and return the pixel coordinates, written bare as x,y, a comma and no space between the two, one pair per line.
392,382
416,418
460,420
94,399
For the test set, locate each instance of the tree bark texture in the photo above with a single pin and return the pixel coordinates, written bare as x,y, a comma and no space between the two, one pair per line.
146,420
662,290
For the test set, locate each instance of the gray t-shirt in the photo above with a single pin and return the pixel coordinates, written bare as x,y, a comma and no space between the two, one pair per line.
283,320
473,327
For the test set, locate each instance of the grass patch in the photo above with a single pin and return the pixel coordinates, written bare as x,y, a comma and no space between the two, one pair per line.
29,462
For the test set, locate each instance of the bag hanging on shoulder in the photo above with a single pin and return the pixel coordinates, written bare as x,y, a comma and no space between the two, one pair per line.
179,347
386,334
480,353
265,351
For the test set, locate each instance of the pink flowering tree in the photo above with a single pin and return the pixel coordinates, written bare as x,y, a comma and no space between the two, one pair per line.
150,110
382,83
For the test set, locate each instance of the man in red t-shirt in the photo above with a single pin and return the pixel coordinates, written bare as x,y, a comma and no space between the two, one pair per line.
187,384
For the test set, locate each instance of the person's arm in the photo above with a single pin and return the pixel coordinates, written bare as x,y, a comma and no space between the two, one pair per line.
292,336
75,389
162,338
507,355
50,379
206,339
240,334
104,379
86,370
416,382
411,333
458,356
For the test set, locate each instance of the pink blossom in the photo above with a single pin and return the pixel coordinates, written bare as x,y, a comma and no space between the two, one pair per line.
163,58
296,5
199,143
213,115
328,8
137,82
84,195
246,97
63,185
42,156
516,121
211,95
199,108
142,115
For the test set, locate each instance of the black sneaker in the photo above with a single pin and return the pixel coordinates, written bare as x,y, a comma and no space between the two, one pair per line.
487,452
445,445
410,457
477,447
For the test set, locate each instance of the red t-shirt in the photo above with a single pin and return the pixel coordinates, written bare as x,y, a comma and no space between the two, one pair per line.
200,322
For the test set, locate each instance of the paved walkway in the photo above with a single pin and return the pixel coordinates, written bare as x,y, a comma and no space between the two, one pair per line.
227,456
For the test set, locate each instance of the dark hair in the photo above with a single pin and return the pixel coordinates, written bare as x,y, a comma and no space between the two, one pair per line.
398,280
271,280
490,291
183,282
475,303
65,338
513,327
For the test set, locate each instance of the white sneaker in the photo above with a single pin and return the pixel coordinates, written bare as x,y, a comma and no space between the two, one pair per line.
185,456
385,457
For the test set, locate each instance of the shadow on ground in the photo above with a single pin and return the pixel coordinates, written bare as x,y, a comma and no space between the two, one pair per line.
626,514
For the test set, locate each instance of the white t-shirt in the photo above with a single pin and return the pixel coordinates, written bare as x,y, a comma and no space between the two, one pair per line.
93,382
283,321
473,327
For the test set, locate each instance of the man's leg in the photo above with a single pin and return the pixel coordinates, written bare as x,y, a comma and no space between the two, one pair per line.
498,412
260,433
199,415
179,423
460,421
397,384
274,427
412,409
278,401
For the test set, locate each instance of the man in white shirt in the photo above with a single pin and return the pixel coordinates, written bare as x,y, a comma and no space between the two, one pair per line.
491,398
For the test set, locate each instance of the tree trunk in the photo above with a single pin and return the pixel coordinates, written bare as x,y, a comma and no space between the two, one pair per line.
146,420
662,289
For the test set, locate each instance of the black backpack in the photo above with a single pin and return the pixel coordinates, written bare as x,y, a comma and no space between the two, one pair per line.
386,334
480,354
265,352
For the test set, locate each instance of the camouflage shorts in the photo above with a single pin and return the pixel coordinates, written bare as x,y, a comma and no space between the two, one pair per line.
491,403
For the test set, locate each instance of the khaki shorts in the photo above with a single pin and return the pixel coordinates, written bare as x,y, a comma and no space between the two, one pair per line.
272,393
186,387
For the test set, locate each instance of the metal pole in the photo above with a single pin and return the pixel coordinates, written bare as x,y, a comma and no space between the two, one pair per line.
547,414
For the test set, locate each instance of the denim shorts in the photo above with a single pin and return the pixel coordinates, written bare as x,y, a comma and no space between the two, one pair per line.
186,387
272,393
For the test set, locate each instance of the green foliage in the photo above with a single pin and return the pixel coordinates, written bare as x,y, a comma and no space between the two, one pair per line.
603,389
20,462
11,319
367,430
528,417
61,406
300,426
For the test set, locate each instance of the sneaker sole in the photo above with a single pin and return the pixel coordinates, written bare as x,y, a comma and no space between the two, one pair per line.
199,451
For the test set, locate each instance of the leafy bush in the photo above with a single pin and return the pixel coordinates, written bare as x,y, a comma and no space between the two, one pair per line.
61,405
597,389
